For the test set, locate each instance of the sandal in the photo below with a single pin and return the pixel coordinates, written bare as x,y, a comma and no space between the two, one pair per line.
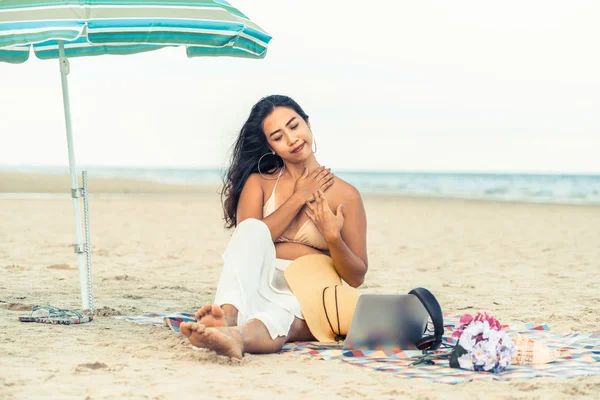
53,315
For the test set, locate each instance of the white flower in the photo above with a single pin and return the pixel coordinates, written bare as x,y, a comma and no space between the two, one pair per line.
488,365
493,335
478,355
485,329
490,360
465,362
493,352
504,359
466,341
476,327
488,346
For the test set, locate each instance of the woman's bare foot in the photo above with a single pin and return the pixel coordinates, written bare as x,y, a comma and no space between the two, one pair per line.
224,341
211,315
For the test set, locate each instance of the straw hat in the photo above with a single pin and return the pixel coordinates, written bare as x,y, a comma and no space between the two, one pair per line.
316,284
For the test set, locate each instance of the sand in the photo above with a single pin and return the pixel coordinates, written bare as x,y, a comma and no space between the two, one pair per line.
162,253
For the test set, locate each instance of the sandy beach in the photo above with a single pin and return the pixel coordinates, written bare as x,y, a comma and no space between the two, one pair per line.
161,252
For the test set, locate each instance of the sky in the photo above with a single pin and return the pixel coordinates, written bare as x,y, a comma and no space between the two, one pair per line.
461,86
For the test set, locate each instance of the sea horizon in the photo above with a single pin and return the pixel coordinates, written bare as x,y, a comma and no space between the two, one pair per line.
542,187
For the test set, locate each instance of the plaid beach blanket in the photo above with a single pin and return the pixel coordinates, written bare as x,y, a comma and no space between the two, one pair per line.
157,319
580,353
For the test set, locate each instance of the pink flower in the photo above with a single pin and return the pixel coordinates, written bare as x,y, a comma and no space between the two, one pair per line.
494,323
465,320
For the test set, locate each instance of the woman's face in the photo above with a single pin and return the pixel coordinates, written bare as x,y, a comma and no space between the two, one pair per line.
288,134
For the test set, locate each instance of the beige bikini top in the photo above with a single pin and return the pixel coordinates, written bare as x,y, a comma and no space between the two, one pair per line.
308,234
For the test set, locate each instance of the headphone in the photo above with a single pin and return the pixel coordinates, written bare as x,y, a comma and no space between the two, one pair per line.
430,342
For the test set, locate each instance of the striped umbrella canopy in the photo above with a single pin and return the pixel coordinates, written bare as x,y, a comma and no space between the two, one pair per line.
71,28
95,27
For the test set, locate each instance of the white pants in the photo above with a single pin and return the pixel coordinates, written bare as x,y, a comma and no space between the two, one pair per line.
252,280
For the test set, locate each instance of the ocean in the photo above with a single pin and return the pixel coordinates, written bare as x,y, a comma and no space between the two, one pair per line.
539,188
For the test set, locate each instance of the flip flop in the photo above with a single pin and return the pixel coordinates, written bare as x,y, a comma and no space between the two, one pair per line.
53,315
174,322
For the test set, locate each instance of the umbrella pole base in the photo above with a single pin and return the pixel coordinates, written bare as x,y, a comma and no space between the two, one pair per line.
84,250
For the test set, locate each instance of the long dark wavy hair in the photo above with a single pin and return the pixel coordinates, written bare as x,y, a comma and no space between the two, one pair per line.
249,147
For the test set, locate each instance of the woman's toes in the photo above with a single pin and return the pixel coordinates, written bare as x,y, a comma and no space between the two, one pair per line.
185,328
217,312
199,328
203,311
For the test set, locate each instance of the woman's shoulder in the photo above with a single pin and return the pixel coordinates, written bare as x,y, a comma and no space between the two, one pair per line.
343,189
254,180
257,181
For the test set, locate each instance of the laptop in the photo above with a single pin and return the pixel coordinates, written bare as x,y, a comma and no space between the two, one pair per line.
387,322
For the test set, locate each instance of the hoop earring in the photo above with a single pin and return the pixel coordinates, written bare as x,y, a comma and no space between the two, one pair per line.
315,142
260,172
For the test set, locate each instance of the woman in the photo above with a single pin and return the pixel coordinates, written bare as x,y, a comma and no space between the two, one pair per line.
281,201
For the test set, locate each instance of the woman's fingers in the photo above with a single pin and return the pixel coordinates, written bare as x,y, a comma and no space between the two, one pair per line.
314,197
323,174
324,202
316,210
325,178
310,215
316,202
318,171
327,183
319,203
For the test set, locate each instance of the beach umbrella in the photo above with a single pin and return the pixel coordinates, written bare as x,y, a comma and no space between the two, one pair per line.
53,29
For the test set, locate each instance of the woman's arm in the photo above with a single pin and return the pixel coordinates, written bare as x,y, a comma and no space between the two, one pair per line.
250,204
346,235
280,219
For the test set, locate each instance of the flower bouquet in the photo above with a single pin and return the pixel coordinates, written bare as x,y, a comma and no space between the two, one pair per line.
482,344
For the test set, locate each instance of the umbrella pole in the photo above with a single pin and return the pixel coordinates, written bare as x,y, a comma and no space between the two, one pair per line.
75,191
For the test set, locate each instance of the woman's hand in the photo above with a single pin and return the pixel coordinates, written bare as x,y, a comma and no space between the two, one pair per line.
329,224
320,179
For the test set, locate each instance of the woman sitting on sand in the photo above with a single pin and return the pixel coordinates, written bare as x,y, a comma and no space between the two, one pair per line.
280,201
